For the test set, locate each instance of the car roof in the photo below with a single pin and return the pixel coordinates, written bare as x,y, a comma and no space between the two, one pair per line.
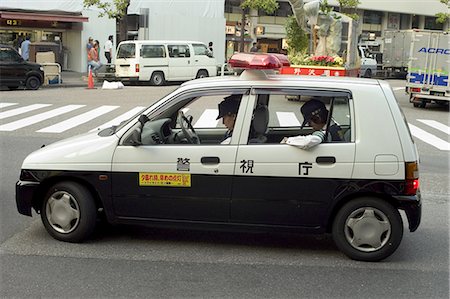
260,78
161,42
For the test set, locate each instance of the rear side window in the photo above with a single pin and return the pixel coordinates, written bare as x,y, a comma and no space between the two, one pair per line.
177,51
200,49
153,51
8,55
126,51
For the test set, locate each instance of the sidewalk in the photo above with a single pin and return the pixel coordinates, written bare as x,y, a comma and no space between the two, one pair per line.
76,79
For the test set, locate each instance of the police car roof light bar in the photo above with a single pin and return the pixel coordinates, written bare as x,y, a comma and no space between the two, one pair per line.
258,61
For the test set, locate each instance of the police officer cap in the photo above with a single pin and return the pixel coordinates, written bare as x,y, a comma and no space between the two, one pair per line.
311,108
229,105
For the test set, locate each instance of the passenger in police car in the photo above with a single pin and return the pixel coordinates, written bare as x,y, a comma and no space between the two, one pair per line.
228,109
315,114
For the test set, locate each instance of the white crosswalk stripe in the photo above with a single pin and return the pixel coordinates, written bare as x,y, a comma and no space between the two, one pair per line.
288,119
429,138
22,110
208,119
21,123
4,105
436,125
78,120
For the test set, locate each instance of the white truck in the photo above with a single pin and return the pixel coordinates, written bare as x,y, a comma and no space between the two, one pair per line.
396,50
428,68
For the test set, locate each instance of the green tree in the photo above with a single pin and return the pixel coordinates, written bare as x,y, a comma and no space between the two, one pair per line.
441,17
117,11
348,7
269,6
296,37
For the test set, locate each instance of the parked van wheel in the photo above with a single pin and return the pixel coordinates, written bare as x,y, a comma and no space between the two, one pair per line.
33,83
202,74
157,79
368,229
368,73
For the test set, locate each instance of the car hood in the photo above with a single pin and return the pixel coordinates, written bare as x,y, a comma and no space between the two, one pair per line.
87,152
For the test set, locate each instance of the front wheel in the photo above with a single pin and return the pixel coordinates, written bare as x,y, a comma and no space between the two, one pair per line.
33,83
157,79
68,212
202,74
367,229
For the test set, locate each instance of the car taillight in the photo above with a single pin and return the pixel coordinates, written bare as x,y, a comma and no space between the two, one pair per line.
412,178
415,89
137,68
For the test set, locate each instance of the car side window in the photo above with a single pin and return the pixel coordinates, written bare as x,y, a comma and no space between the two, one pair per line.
177,51
8,55
279,114
200,49
153,51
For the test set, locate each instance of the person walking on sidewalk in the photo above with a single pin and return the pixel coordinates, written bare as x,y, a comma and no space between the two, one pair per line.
108,48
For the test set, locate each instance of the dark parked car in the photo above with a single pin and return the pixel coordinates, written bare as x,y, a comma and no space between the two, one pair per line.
15,71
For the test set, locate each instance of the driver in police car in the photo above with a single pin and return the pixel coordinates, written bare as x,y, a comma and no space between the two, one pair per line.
228,109
315,114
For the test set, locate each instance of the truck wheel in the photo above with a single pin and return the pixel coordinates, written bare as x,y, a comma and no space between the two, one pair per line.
367,229
368,73
202,74
68,212
422,104
416,104
33,83
157,79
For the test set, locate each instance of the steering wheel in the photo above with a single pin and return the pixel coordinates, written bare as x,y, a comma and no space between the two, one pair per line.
185,123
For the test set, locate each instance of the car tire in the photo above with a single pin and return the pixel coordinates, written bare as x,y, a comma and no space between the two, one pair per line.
68,212
423,104
33,83
367,229
416,104
368,73
157,79
202,74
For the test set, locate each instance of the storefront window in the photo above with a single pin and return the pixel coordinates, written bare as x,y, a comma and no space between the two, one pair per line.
372,17
430,23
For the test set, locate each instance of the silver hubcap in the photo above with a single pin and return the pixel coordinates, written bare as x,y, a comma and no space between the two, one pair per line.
367,229
63,212
157,79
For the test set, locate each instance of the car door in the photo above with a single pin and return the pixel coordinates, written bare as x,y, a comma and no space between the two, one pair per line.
12,67
180,66
179,181
280,184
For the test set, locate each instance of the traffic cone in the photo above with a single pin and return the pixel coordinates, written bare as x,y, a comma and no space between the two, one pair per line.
90,80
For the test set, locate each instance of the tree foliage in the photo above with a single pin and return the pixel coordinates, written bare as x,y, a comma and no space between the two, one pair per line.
442,17
117,9
348,7
297,39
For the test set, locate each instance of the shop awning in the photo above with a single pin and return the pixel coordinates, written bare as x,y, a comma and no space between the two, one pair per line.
42,17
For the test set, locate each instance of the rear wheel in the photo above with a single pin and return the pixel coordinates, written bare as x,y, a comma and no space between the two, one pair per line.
367,229
157,79
202,74
68,212
33,83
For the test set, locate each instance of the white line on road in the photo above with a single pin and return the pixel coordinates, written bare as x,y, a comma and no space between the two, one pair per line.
429,138
288,119
208,119
21,110
78,120
436,125
398,88
21,123
3,105
120,118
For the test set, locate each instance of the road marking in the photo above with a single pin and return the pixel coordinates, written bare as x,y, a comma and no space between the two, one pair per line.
208,119
38,118
436,125
288,119
77,120
21,110
429,138
119,119
3,105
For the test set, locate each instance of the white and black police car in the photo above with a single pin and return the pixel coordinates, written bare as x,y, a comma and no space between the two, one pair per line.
170,164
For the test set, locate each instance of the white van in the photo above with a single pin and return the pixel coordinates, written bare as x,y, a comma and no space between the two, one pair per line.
160,61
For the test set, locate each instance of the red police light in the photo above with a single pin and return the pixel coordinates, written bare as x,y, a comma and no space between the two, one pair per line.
257,61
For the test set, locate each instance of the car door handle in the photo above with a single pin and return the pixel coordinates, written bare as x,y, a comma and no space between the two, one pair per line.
210,160
325,160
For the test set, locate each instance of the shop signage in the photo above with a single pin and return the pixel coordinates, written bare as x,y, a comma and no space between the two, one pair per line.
13,22
230,30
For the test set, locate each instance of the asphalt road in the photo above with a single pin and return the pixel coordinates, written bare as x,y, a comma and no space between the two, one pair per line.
130,261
